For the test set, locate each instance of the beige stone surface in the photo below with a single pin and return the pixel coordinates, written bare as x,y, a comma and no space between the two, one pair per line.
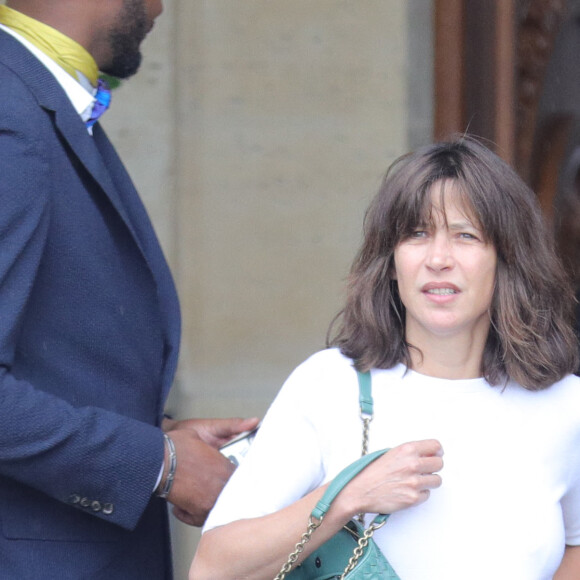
290,112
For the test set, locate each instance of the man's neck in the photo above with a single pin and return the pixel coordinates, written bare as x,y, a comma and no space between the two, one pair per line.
66,52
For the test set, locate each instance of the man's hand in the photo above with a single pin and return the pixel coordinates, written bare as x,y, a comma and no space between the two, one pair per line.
202,471
214,432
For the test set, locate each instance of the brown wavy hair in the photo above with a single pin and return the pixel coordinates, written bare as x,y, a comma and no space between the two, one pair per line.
531,338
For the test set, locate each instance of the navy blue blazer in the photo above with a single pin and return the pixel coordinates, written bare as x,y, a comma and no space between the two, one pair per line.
89,336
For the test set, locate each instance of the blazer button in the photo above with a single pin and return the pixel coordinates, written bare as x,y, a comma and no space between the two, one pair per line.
74,498
85,502
108,509
96,506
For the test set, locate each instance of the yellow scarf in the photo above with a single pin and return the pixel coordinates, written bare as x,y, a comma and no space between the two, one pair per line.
67,53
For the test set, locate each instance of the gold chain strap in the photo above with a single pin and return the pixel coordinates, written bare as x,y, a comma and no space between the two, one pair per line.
363,542
312,525
366,421
299,548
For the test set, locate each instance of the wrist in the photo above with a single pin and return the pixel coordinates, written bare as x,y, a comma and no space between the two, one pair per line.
170,465
168,423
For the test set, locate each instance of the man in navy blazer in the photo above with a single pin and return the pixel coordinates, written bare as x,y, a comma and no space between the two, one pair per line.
89,328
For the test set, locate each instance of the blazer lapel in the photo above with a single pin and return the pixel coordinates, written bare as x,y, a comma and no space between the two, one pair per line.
52,98
101,161
149,243
82,144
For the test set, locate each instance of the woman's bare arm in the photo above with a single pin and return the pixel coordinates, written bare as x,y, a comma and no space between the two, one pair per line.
256,549
570,567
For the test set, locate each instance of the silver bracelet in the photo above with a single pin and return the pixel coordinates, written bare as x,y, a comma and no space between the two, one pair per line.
164,491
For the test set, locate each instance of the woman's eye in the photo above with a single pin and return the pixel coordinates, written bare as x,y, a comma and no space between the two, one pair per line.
468,236
419,234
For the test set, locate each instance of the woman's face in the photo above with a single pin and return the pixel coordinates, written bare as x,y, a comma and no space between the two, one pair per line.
446,272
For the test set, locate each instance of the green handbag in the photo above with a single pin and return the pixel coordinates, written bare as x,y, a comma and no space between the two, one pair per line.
351,554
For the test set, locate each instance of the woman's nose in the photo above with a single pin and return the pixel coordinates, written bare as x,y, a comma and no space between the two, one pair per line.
440,253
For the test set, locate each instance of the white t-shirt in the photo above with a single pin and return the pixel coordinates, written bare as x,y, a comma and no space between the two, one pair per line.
510,498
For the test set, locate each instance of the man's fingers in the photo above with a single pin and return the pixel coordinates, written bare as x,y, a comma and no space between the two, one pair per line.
186,517
227,428
217,432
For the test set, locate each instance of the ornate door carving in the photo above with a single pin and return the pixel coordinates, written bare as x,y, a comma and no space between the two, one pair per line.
509,71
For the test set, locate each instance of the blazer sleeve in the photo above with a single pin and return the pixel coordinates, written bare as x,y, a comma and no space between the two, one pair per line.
96,460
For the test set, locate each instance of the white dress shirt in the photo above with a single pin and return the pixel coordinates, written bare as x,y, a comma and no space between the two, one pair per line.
81,93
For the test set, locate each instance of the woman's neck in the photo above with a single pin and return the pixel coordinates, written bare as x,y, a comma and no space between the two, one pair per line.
447,357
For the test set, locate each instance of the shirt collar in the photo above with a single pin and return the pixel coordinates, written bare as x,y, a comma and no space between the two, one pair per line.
80,96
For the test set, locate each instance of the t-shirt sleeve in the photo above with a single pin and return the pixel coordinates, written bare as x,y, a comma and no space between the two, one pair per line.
571,500
283,464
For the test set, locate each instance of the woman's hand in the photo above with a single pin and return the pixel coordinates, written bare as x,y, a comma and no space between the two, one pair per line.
401,478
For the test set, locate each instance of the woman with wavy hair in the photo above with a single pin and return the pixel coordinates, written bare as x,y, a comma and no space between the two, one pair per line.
462,313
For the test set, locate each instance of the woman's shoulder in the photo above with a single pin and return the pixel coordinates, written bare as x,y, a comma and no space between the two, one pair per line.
324,365
560,401
329,366
327,360
568,386
317,388
566,391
